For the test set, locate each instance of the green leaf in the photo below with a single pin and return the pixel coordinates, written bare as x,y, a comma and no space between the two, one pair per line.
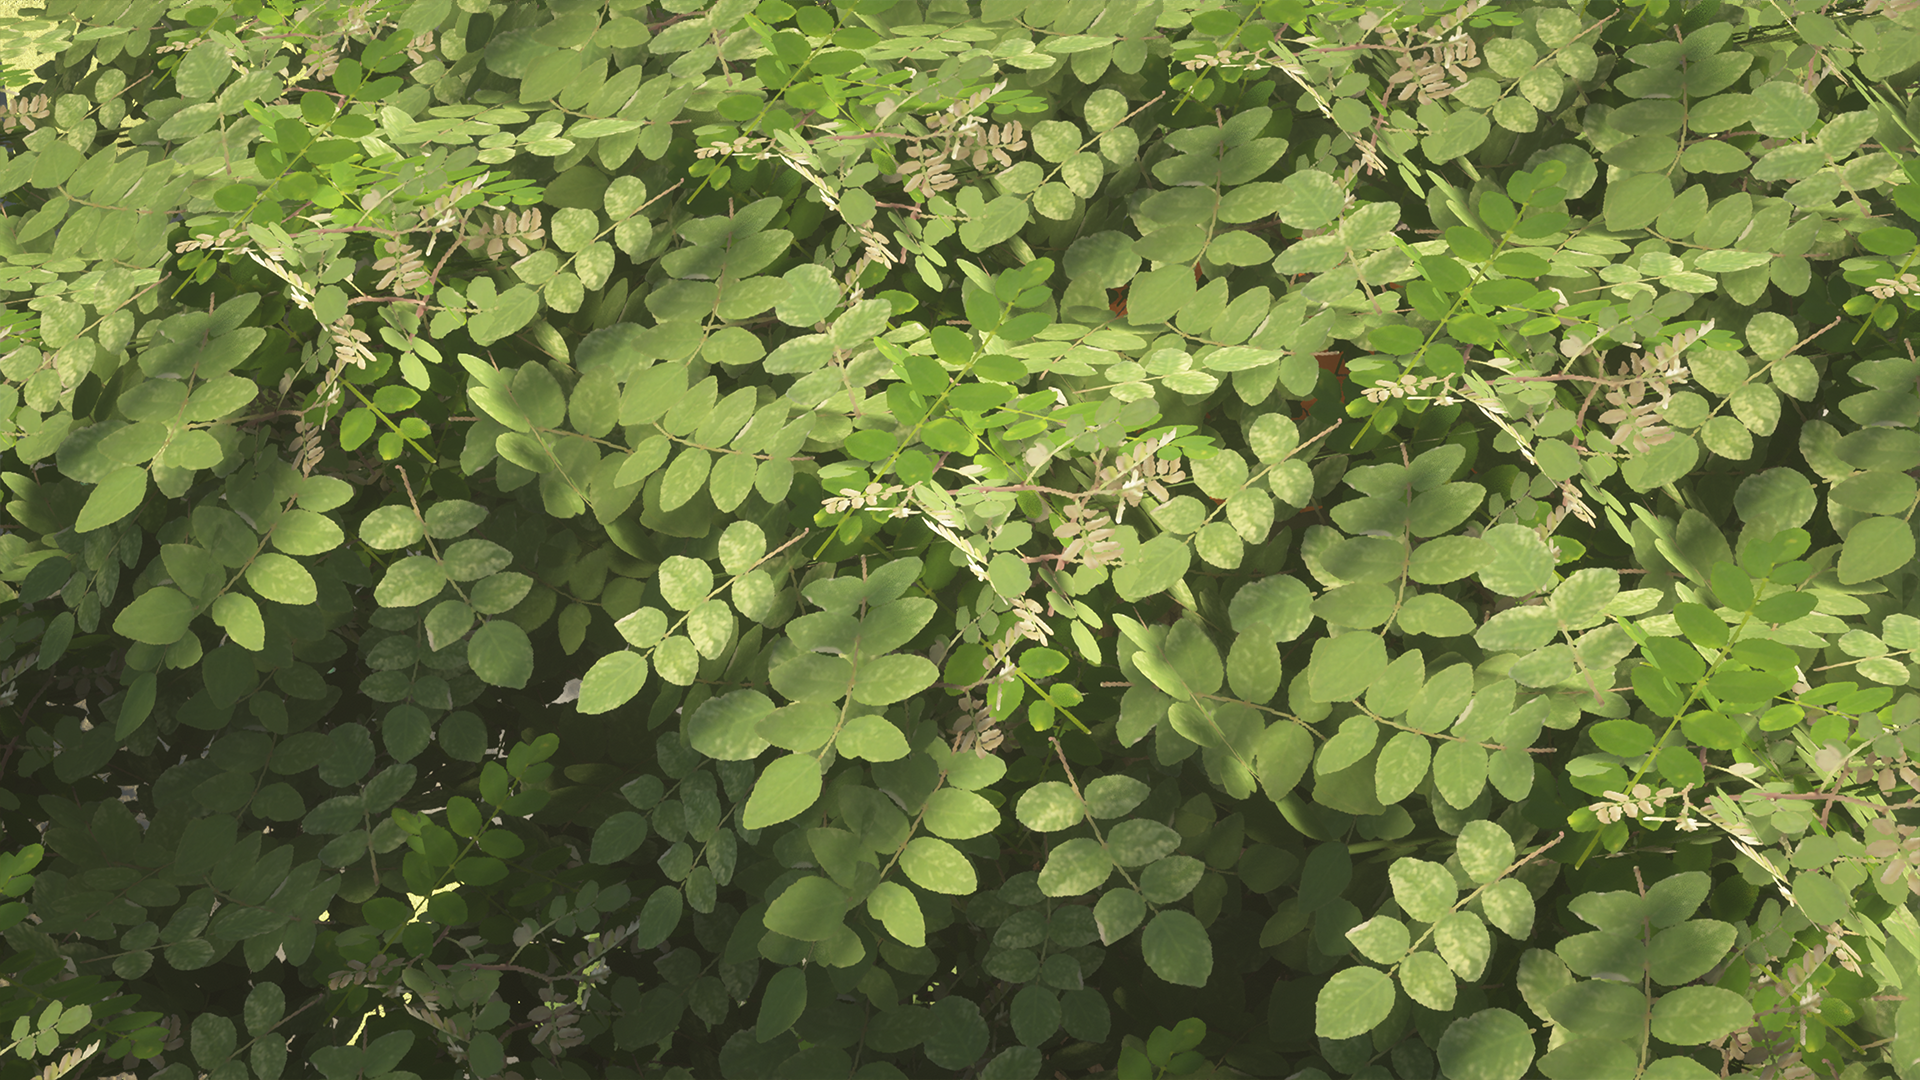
1343,667
956,1034
1460,772
893,678
118,494
1401,766
1492,1044
1509,906
278,578
239,616
1428,980
1171,878
1114,796
390,528
1456,134
1104,260
617,837
1695,1015
938,866
504,314
1663,464
1381,939
897,909
1281,759
1683,953
303,532
1485,850
787,787
1424,890
958,815
810,909
1875,548
993,223
1176,947
1161,563
1138,841
614,680
783,1003
1118,913
1519,562
413,580
158,616
872,738
1307,199
727,728
1049,806
501,654
1353,1002
685,582
1075,868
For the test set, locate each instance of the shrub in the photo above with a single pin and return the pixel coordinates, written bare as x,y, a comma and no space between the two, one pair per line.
572,538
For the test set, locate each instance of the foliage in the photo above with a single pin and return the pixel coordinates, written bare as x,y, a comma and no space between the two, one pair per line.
906,537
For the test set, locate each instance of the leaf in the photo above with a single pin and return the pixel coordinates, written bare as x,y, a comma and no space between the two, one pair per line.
1114,796
1169,879
727,728
1485,850
617,837
872,738
1428,980
1138,841
1463,942
1049,806
893,678
391,527
1401,766
1075,868
504,314
783,1003
118,494
1281,759
1695,1015
1160,564
1492,1044
613,681
1509,906
938,866
1518,561
1176,947
958,815
1306,200
278,578
501,654
1684,952
1460,772
1456,134
1343,667
956,1034
303,532
1352,1003
1118,913
1875,548
1663,464
811,909
685,582
1424,890
1382,939
786,788
239,616
997,221
413,580
158,616
897,909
